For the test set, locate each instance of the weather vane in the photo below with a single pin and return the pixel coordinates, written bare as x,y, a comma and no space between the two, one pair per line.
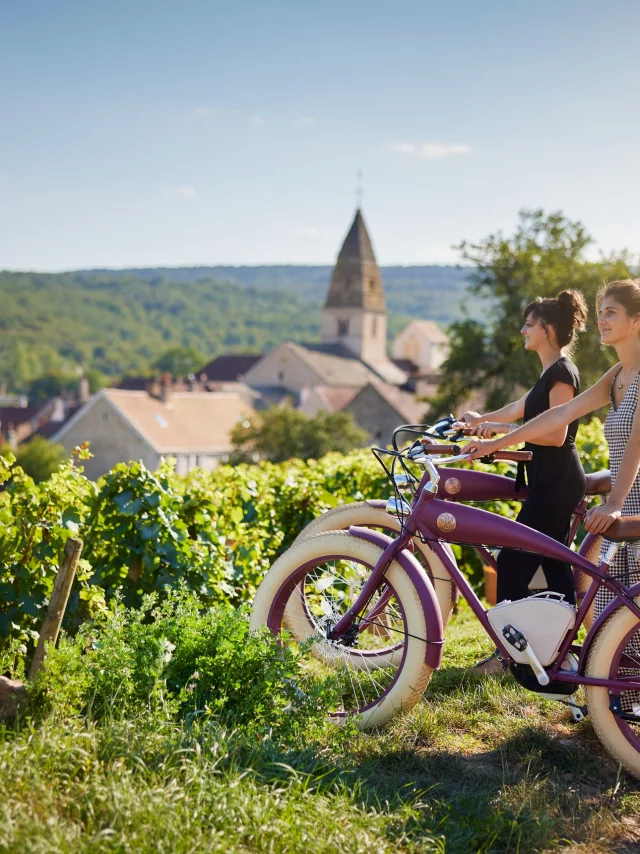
359,189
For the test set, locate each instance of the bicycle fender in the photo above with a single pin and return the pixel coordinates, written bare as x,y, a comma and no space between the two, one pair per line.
602,618
424,587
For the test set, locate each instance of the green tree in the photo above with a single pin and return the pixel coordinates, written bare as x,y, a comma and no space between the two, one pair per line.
40,458
51,385
180,361
281,434
544,256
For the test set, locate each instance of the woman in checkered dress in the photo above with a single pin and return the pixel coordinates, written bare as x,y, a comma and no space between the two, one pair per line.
619,325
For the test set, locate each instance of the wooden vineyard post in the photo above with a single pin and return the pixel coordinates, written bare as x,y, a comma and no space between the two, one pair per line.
57,603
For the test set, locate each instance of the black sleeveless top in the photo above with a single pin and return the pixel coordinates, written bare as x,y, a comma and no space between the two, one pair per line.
550,465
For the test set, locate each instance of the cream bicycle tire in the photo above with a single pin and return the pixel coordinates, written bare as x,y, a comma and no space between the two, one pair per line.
413,672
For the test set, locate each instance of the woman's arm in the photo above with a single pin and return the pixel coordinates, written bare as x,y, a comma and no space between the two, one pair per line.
551,420
508,414
599,518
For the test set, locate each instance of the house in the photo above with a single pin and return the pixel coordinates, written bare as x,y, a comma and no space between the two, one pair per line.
423,343
121,425
379,408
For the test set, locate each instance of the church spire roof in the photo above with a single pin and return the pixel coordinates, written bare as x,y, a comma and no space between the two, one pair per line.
356,281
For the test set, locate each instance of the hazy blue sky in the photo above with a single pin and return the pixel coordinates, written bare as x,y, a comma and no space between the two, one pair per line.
152,132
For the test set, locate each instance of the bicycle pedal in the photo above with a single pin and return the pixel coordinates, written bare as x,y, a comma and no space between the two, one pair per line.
578,712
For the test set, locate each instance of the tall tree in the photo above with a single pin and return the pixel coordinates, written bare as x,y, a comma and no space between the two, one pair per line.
281,433
544,256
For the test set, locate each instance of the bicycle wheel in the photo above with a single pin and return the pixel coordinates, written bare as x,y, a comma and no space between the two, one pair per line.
367,515
615,654
379,672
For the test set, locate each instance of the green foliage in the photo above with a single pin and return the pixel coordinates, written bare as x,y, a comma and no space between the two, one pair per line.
481,765
215,532
178,660
35,522
546,255
121,322
180,361
40,458
281,433
49,385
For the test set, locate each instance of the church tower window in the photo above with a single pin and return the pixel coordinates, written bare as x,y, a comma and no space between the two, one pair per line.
343,327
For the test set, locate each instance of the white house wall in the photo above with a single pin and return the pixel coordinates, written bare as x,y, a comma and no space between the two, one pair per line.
112,439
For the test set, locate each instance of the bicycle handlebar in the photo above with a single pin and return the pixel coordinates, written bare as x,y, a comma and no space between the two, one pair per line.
429,448
512,456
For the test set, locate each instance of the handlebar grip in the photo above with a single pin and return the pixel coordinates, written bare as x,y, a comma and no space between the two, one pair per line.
513,456
438,450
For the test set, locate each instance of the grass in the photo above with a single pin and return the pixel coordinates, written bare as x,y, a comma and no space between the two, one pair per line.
479,766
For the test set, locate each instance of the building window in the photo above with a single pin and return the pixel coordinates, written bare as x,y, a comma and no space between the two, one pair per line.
374,325
281,376
343,328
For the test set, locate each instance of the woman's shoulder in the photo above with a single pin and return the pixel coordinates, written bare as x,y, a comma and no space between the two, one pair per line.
564,371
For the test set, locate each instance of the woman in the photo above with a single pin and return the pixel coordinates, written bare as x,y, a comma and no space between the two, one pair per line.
556,480
619,324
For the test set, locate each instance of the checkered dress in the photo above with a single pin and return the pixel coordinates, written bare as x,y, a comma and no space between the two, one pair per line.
625,566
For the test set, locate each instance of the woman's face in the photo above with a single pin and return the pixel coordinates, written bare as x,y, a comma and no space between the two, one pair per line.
534,333
614,323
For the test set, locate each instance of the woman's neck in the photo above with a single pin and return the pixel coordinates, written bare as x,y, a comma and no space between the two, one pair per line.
548,355
628,352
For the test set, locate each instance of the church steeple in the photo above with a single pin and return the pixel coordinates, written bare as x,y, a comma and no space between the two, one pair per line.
355,313
356,280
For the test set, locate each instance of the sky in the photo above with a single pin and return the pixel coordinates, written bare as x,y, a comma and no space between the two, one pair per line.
158,133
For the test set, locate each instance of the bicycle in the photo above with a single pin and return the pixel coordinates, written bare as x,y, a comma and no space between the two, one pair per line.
362,579
468,485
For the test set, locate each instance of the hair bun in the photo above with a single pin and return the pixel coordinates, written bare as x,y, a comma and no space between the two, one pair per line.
575,304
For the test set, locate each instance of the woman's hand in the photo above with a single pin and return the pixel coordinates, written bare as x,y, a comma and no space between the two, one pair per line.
486,429
470,418
477,448
599,519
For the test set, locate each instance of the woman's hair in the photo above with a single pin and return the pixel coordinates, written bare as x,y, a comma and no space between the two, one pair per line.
624,291
566,313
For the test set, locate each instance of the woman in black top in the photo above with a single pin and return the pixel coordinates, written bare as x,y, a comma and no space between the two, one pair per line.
556,481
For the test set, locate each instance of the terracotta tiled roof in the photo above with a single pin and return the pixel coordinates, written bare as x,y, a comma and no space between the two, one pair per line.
337,397
189,422
334,370
229,367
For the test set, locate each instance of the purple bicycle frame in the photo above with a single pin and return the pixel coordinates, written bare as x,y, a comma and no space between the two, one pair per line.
438,522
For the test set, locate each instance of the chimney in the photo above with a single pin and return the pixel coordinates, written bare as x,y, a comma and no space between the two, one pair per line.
58,410
12,438
153,388
165,387
83,390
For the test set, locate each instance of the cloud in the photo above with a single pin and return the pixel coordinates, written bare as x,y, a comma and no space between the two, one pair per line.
257,121
185,192
205,113
312,232
403,147
305,121
430,150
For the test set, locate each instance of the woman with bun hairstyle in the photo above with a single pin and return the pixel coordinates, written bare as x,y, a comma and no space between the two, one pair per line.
556,481
618,306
